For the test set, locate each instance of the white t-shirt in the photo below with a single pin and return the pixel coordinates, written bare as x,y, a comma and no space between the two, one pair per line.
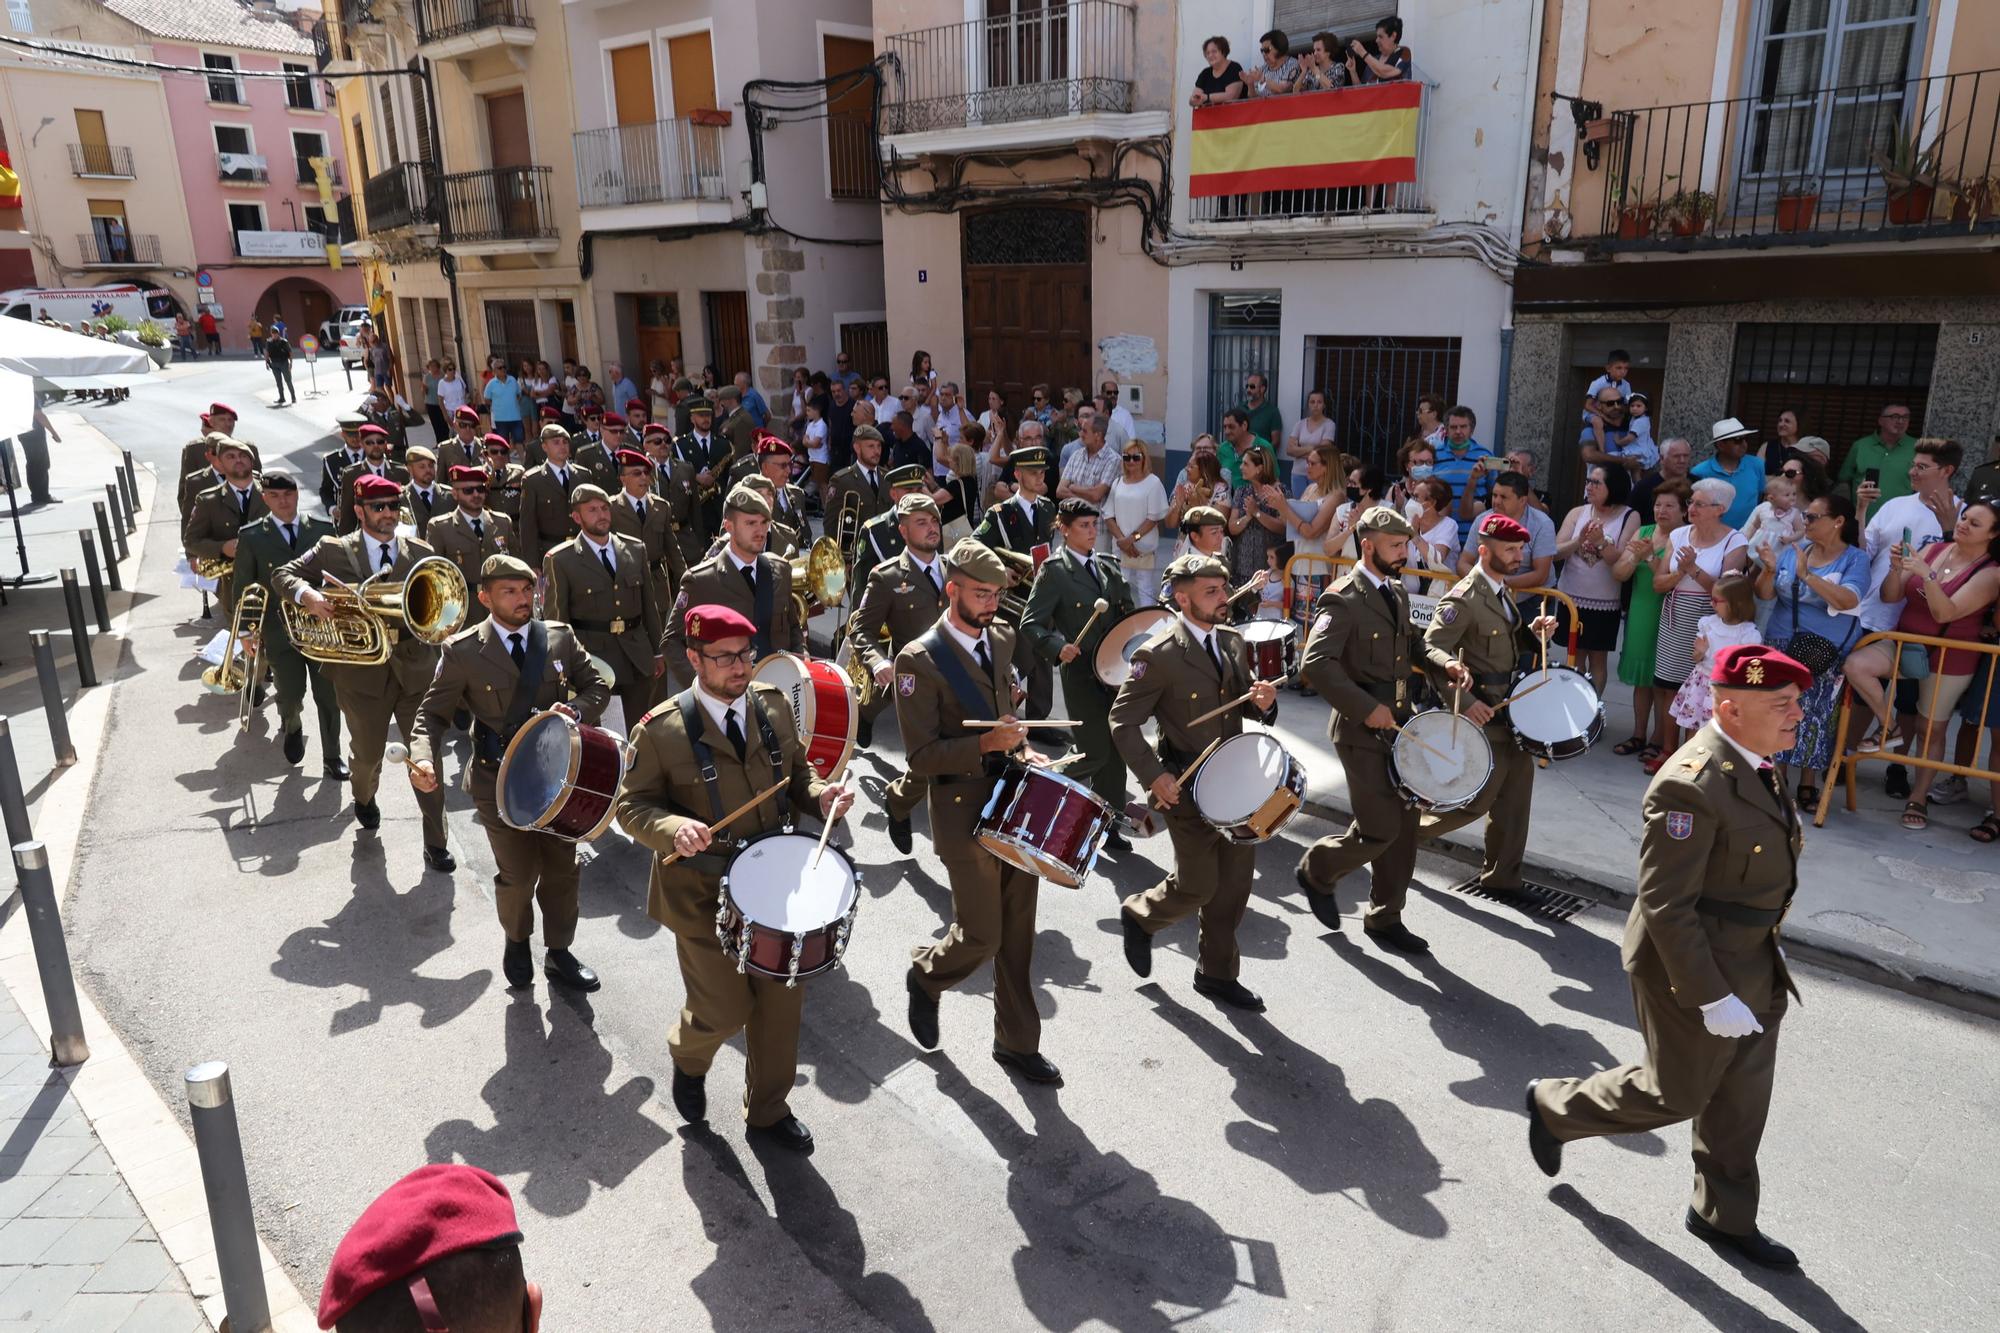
451,394
1884,533
816,441
1132,503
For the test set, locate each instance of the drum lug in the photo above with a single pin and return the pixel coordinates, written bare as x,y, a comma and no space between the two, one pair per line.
846,925
798,947
743,948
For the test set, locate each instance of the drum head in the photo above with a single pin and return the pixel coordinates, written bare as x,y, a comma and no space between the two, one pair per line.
536,773
1235,781
787,671
1113,662
1561,708
1257,631
1453,780
774,883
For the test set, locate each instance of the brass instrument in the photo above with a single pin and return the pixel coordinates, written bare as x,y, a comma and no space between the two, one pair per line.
857,670
819,578
431,603
1021,565
847,522
215,567
226,677
255,635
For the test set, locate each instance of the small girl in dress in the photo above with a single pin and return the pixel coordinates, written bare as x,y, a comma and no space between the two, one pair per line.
1271,599
1775,524
1733,622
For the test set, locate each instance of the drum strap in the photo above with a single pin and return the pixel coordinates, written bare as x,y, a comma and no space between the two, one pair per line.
490,743
953,670
695,718
776,756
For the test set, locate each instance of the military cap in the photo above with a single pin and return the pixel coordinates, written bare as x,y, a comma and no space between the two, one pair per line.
419,451
1204,516
769,446
500,565
466,475
369,487
625,458
976,561
550,412
746,500
700,405
910,474
1497,527
1032,456
278,480
219,443
221,409
916,504
347,421
495,440
655,428
553,429
1195,565
762,484
371,430
1753,666
435,1211
712,622
585,493
683,385
1381,518
865,432
466,413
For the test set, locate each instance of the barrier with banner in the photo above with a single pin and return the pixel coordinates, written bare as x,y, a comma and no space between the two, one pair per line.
1845,764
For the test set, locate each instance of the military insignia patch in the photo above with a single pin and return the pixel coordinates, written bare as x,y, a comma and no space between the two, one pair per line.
1321,621
906,685
1680,825
1138,670
1447,613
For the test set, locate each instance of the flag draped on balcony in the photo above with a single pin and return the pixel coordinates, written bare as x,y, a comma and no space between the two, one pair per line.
1314,141
10,184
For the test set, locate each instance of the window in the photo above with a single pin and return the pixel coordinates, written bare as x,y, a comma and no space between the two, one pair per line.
223,85
511,331
299,90
1372,386
306,147
1242,337
392,151
20,15
1836,377
312,217
242,218
109,242
236,159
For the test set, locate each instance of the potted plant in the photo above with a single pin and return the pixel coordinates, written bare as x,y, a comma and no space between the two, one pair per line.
1910,170
1798,204
1635,215
154,339
1688,212
1974,201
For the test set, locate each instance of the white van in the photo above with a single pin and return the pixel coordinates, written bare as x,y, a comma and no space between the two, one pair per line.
74,305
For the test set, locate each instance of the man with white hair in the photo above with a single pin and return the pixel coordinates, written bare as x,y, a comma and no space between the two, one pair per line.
1676,457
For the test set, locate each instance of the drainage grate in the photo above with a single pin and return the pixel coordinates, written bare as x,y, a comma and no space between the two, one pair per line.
1551,904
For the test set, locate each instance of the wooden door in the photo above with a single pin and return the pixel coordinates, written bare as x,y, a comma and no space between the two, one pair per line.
1027,300
867,348
513,197
95,147
632,85
728,316
691,67
850,120
315,307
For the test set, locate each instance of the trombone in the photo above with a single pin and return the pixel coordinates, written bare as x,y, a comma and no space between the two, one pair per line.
226,677
847,522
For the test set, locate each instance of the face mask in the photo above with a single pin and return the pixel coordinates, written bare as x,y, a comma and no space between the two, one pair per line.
1354,495
1419,471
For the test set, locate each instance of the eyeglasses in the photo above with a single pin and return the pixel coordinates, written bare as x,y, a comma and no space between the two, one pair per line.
1135,458
1611,402
1793,473
1595,481
381,506
744,658
468,490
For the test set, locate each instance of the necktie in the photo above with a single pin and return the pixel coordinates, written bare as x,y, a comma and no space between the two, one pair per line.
562,477
604,555
428,500
478,530
938,588
870,474
985,658
1090,568
243,503
640,509
386,561
518,651
1214,653
1389,596
291,537
734,731
749,573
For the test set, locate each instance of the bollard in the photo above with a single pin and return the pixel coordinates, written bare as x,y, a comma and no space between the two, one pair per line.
97,604
125,496
52,700
104,544
79,632
13,800
132,481
118,523
123,503
38,900
219,1146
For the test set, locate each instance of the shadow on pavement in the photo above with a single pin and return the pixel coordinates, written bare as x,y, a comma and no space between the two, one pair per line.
830,1238
1601,992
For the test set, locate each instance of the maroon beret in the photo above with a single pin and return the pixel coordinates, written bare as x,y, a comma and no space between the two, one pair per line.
434,1211
1496,526
466,414
711,623
204,421
655,428
1752,666
463,475
368,486
372,429
550,412
632,458
770,445
217,409
495,440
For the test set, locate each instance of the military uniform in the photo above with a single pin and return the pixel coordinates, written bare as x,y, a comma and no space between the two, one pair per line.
545,521
654,529
261,549
453,452
880,540
615,616
711,453
590,453
664,790
421,504
740,429
903,600
214,521
1061,602
467,542
720,581
332,469
344,520
194,454
674,483
192,484
874,494
788,511
1174,681
503,491
1010,527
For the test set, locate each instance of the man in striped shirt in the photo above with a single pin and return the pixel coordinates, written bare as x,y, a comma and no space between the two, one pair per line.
1465,465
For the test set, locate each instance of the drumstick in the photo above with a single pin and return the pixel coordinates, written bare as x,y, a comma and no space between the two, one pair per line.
1199,760
1098,608
1035,722
1545,642
1458,691
1417,741
395,752
731,817
1512,698
825,828
1220,709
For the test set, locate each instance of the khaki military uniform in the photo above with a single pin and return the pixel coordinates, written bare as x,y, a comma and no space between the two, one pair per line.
503,492
476,672
615,617
788,511
332,469
663,791
674,483
655,531
779,540
344,520
454,452
545,521
192,484
451,535
770,607
420,508
261,550
1359,655
589,453
740,429
1008,527
1718,867
900,599
993,903
370,696
1174,681
1061,602
874,495
1475,619
194,454
880,540
214,521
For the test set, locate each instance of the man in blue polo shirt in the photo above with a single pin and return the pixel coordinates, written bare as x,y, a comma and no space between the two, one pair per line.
1466,466
1745,472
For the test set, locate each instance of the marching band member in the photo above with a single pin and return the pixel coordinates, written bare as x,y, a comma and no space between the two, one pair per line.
904,597
602,585
371,695
779,539
1020,523
864,477
745,578
735,424
220,419
262,547
589,432
205,476
788,502
638,513
594,454
1358,659
471,533
220,512
697,756
545,520
708,454
462,447
673,482
501,671
1192,665
1206,530
881,539
421,497
375,462
503,478
959,671
339,460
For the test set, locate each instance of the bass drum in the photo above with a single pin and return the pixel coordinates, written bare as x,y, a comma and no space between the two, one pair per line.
1439,762
1555,715
1249,787
560,777
787,907
823,705
1115,651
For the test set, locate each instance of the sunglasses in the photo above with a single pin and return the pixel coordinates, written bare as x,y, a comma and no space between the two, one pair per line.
1611,402
1135,458
469,489
382,506
1792,472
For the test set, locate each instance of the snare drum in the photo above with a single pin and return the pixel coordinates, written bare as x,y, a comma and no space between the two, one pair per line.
822,699
1273,647
1555,718
1453,776
1044,823
781,915
1113,662
560,777
1248,787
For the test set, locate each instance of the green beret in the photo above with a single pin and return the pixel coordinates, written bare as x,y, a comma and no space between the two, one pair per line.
554,429
504,566
761,483
1032,456
1381,518
1195,565
866,432
701,405
977,561
586,493
910,474
1204,516
745,500
917,504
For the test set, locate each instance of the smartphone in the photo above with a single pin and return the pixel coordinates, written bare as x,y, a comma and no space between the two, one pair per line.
1873,476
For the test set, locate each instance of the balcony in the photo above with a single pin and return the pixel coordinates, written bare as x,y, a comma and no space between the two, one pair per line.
120,249
403,196
676,163
242,169
334,53
1047,76
501,210
101,160
853,167
456,29
1896,161
307,176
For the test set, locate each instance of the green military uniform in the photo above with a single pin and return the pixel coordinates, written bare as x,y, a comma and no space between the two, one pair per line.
1479,621
880,540
503,491
706,451
476,673
674,483
1061,602
769,606
334,465
1010,526
649,521
903,600
261,549
545,520
456,451
788,511
192,484
214,521
344,520
1174,681
467,542
663,791
592,455
613,612
874,494
194,454
740,429
1718,866
421,504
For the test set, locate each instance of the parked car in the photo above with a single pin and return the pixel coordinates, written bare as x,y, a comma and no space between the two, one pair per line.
342,331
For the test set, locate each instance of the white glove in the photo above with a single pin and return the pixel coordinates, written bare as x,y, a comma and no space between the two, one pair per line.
1730,1017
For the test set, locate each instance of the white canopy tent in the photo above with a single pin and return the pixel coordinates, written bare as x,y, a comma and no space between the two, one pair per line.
35,356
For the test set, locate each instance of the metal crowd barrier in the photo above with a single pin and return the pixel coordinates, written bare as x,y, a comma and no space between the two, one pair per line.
1335,564
1846,763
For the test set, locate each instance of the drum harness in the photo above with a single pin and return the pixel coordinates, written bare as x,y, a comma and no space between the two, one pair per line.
693,716
955,675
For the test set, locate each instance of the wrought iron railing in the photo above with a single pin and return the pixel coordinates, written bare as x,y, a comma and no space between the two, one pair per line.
99,248
853,166
307,176
405,195
656,162
1351,201
498,204
439,19
242,168
328,46
1870,161
100,159
1064,60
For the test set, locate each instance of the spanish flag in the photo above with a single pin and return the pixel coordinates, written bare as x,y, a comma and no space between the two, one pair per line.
1313,141
10,184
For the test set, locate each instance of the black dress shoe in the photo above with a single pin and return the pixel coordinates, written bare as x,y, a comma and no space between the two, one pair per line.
790,1134
518,965
440,858
1398,937
1757,1247
899,835
864,733
1543,1146
1230,992
1325,907
1138,944
1030,1065
295,746
368,814
335,769
923,1012
1896,784
1117,841
690,1096
561,967
1497,890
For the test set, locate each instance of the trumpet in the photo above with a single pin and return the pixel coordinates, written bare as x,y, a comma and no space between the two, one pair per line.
822,575
430,603
226,677
847,523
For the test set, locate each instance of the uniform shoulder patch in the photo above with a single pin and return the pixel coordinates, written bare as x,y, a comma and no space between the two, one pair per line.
1321,621
906,685
1447,612
1680,825
1138,667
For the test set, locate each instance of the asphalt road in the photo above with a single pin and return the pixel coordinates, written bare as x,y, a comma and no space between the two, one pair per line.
1354,1158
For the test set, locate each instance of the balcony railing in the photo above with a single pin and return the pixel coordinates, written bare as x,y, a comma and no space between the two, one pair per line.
439,19
1065,60
242,168
1381,203
119,249
1894,160
403,196
100,159
659,162
307,176
498,204
328,44
853,166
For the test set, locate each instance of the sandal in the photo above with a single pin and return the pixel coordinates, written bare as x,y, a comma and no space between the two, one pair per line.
1986,830
1808,797
1656,763
1648,755
1915,815
1632,746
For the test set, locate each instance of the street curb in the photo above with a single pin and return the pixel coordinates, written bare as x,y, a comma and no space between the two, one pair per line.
1973,995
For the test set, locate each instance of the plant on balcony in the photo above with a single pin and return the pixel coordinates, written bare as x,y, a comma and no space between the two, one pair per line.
1911,171
1635,215
1688,212
709,116
1798,204
1975,200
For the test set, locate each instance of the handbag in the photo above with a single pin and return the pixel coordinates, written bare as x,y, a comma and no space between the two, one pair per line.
1815,652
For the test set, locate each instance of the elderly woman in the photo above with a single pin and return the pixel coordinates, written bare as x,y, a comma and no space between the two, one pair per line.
1279,72
1813,586
1133,513
1324,68
1222,81
1588,544
1695,556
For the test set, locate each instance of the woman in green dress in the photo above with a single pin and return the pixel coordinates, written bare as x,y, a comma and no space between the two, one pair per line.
1642,624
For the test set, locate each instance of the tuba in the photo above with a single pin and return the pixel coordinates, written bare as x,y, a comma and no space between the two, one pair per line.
819,578
227,677
430,603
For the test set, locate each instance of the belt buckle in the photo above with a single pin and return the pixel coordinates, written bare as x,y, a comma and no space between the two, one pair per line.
618,626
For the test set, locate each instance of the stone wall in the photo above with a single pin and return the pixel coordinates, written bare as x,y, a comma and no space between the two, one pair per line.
775,346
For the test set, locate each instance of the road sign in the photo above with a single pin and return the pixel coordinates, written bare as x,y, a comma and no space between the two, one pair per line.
310,346
204,278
